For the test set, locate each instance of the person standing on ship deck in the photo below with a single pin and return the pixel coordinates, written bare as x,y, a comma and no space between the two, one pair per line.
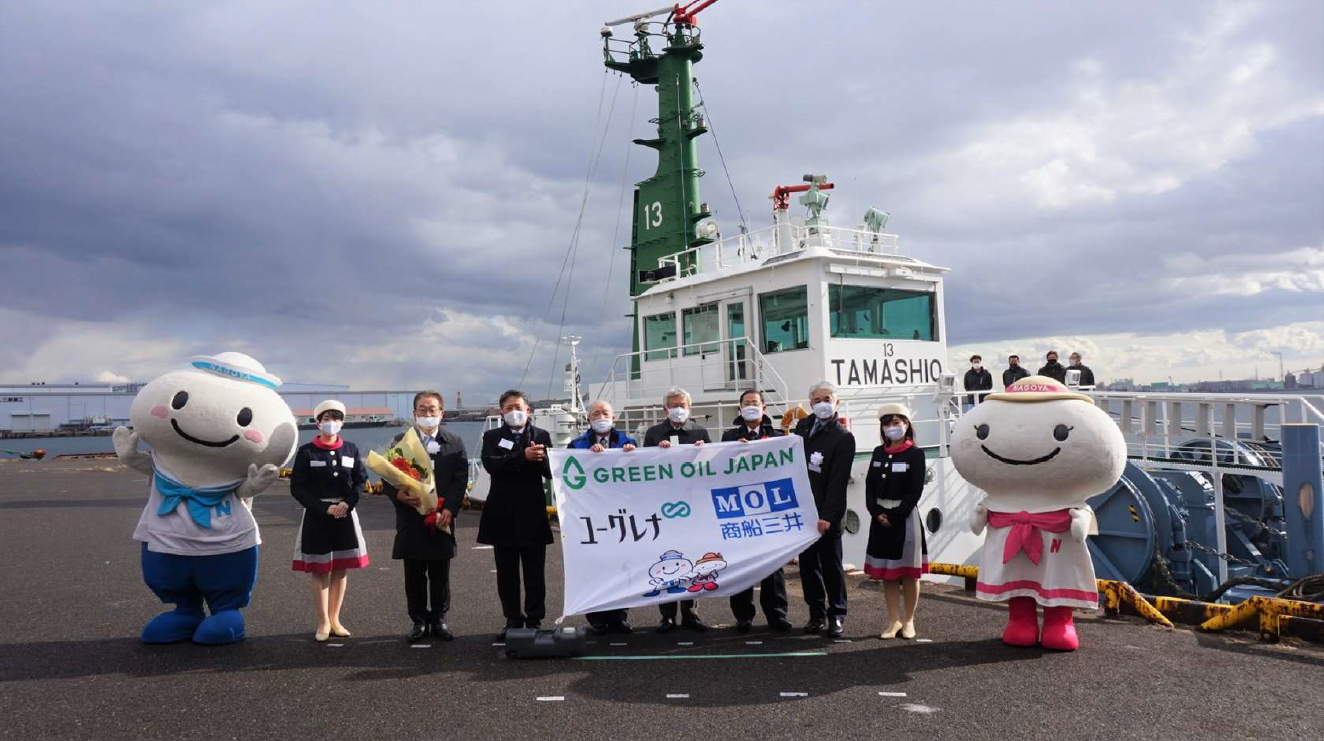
897,553
1054,369
328,478
678,429
1015,371
830,451
603,435
514,520
976,379
755,425
1086,375
426,544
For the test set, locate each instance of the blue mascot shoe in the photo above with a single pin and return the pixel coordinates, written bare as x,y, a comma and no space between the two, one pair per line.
226,626
172,627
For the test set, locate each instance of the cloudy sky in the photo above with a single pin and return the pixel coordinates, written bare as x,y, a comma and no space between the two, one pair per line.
382,194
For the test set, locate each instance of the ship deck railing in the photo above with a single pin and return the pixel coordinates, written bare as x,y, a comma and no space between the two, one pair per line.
786,238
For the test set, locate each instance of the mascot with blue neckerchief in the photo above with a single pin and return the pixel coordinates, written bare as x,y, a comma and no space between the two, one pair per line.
218,434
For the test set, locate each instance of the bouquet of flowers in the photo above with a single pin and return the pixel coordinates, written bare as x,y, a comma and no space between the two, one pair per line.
408,467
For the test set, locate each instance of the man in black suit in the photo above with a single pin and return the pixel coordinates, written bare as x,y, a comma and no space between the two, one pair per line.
1053,369
976,379
829,453
678,429
1086,375
514,520
1015,371
755,425
427,544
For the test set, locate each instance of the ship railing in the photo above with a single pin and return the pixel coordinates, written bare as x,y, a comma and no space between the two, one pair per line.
716,365
779,239
657,35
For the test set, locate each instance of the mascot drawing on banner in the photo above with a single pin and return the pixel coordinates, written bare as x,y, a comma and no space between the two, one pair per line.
706,570
670,572
218,433
1039,450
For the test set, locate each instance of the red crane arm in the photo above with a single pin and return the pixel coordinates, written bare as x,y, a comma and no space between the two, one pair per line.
686,15
781,195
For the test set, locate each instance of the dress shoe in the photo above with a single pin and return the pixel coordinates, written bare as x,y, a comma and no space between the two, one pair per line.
622,626
693,623
599,629
893,628
322,634
815,625
779,624
418,634
441,631
908,630
836,626
743,626
340,631
666,626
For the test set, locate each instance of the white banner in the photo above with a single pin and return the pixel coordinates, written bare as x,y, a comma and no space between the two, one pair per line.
657,525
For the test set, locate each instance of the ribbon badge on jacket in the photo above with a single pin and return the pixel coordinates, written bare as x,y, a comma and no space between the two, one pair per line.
1025,527
199,501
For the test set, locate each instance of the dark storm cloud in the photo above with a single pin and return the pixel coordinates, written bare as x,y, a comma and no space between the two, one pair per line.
304,178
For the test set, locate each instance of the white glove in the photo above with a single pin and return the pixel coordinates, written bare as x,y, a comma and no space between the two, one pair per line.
979,519
1080,524
258,480
126,449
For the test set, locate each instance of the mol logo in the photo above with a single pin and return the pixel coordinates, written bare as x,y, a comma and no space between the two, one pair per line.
754,499
572,474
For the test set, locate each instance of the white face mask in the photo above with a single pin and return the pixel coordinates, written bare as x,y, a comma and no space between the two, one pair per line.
751,414
823,410
678,415
976,366
330,427
894,433
601,425
428,423
515,417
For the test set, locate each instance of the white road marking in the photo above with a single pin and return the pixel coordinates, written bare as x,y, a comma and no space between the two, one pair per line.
923,640
842,640
795,694
922,709
684,643
753,643
335,645
618,644
421,645
671,696
498,644
891,694
482,548
551,698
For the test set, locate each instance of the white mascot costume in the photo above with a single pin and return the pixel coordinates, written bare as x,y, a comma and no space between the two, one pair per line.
1039,450
218,433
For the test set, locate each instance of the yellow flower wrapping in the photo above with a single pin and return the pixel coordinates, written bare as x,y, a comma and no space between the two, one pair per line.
412,449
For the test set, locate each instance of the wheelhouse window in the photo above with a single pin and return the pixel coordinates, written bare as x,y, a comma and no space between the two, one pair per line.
660,335
785,319
701,329
867,312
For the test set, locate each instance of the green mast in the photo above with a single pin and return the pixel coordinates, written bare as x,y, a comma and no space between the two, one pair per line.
667,207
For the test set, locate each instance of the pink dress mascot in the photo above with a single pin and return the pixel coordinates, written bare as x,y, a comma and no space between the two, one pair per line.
1039,450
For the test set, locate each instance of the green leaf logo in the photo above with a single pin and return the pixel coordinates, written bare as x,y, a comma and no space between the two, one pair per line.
572,474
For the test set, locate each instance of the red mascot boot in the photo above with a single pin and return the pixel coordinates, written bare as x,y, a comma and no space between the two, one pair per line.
1059,630
1022,623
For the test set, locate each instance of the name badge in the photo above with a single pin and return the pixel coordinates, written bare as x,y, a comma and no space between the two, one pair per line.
815,468
317,464
900,467
876,464
346,461
433,447
675,439
506,443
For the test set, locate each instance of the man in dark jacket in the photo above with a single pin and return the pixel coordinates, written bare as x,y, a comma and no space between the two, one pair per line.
976,379
514,520
678,429
603,435
1054,369
755,425
1086,375
427,546
830,452
1015,371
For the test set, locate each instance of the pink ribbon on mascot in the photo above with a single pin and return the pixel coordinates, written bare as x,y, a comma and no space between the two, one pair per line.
1024,534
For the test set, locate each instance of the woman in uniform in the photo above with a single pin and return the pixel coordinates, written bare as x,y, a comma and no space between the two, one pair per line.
329,476
896,553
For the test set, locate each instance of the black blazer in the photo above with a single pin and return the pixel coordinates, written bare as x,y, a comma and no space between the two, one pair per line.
688,434
450,468
741,432
515,513
829,483
883,482
324,474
